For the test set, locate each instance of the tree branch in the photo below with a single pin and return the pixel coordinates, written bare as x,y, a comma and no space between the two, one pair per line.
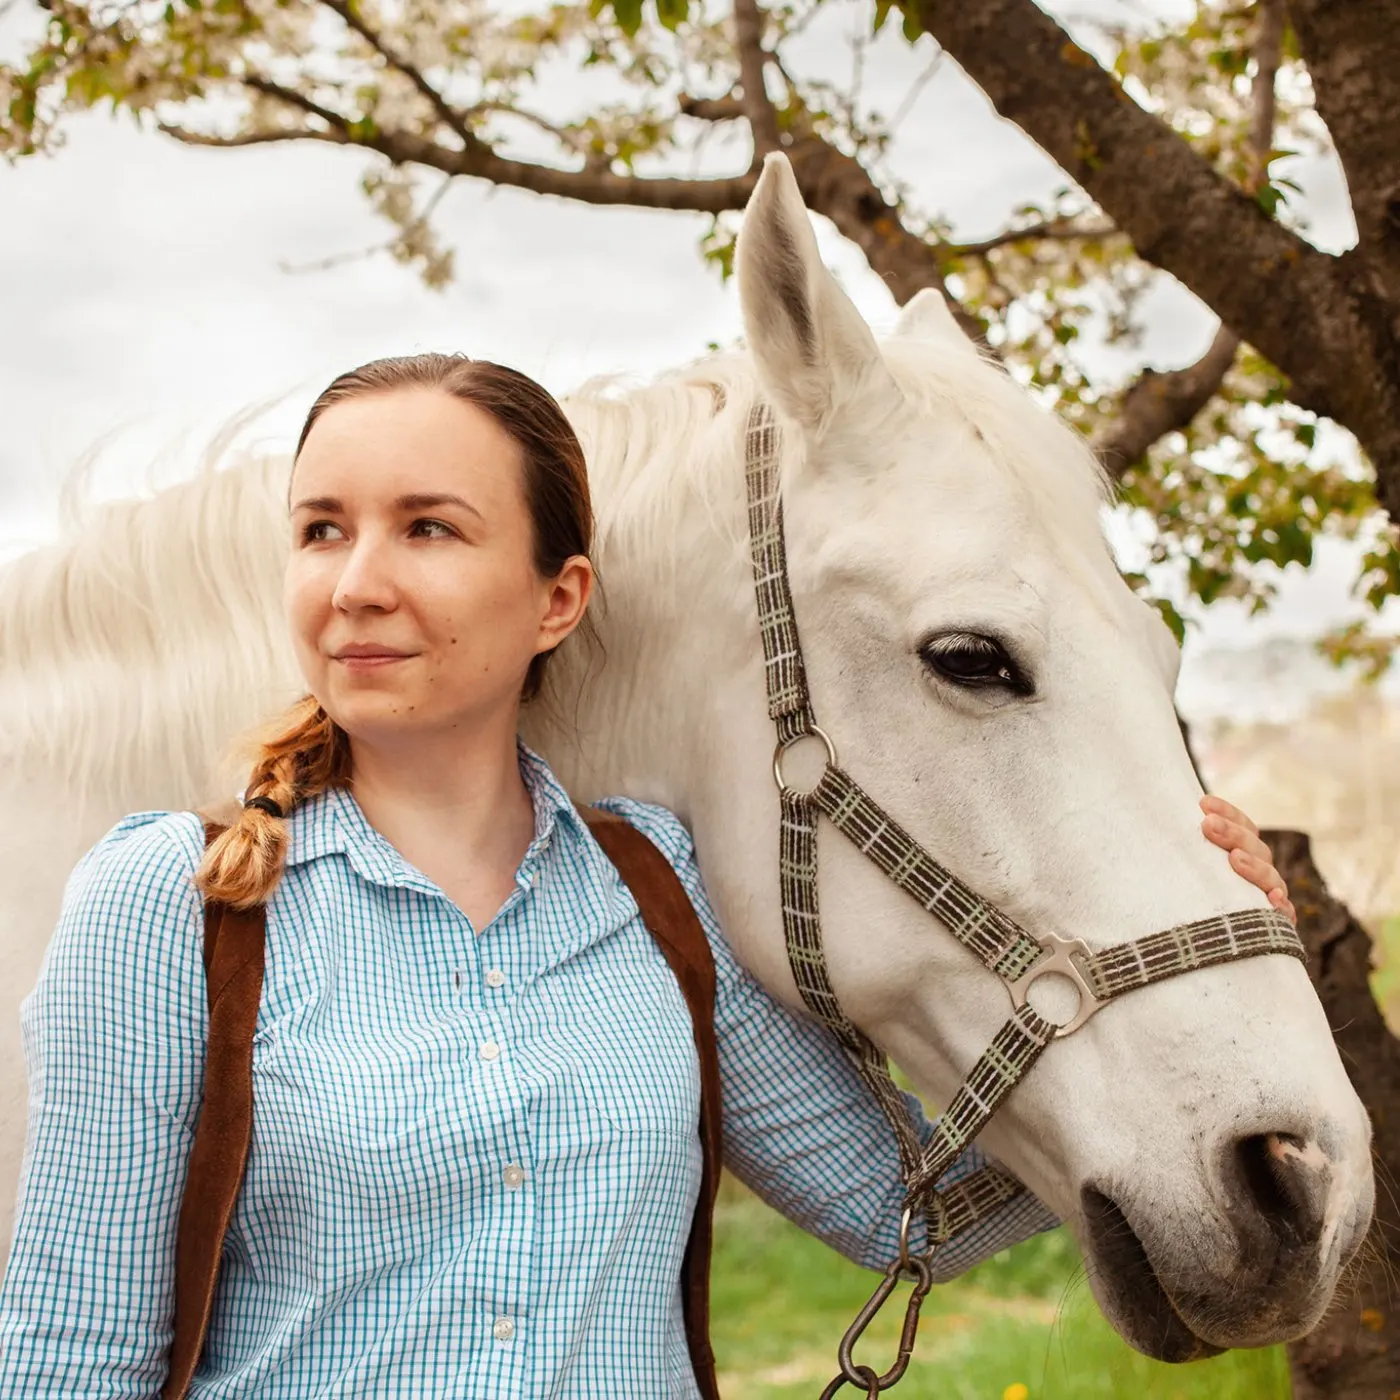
1061,229
252,138
567,139
334,120
1353,1350
711,109
1352,52
832,183
753,58
1320,319
1158,404
479,161
1179,213
448,115
1268,54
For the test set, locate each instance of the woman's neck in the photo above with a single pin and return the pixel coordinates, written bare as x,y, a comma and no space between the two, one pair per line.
450,807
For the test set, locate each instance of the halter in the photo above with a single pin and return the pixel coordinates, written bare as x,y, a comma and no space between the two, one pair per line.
1018,957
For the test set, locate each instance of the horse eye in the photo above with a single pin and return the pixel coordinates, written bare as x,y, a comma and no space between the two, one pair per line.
972,661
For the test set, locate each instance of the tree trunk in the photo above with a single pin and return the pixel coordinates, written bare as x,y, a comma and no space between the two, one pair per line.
1354,1354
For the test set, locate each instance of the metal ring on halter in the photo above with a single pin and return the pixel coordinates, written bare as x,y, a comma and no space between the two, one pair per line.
785,744
905,1221
1061,962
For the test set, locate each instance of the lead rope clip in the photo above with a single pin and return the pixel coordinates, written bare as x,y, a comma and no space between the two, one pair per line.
865,1377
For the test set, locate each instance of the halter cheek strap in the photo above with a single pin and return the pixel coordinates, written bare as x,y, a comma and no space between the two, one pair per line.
1018,957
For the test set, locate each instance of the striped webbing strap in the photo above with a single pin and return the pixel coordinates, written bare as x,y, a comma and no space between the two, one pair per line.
997,940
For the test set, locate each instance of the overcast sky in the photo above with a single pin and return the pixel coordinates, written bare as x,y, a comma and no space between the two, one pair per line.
143,303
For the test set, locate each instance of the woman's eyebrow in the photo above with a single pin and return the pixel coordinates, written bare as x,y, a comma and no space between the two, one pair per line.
431,500
330,505
418,500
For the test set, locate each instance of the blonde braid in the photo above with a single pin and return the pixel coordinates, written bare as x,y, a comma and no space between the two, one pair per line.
305,753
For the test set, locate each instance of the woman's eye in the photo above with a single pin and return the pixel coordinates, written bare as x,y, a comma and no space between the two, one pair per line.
972,661
317,532
432,529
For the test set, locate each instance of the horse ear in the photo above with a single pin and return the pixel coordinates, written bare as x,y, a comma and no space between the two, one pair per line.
927,316
813,350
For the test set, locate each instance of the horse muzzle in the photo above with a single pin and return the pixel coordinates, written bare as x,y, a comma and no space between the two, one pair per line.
1256,1264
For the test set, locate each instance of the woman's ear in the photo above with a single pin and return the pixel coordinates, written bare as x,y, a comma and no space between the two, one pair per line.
565,602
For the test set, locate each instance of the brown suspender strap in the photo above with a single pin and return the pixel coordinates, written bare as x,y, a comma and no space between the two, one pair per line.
233,974
667,911
233,968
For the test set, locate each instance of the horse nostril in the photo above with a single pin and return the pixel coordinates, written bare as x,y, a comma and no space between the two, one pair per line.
1287,1180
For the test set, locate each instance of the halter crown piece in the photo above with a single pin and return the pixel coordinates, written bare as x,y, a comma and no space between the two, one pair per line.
1018,957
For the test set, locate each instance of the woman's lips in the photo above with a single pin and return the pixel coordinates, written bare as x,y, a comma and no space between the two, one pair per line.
369,663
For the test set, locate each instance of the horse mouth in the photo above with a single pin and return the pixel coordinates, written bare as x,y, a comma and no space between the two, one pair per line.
1129,1288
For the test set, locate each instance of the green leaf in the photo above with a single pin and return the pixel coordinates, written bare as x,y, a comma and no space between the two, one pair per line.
629,15
882,13
911,26
1172,618
672,13
1268,197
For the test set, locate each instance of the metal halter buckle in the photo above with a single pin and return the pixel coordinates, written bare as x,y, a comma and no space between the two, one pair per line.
811,732
1061,953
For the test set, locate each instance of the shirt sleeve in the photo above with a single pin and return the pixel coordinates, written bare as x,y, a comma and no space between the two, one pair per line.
800,1128
114,1036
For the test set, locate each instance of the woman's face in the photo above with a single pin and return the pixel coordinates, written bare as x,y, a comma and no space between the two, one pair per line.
411,591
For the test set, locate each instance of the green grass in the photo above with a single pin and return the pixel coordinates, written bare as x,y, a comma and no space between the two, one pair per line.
1385,980
782,1302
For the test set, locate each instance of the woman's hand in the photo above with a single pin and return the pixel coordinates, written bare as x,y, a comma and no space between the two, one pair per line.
1233,832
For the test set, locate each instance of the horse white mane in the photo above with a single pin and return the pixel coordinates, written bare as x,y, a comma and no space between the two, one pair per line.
168,607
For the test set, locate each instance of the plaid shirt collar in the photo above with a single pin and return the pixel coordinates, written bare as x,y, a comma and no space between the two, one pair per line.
333,823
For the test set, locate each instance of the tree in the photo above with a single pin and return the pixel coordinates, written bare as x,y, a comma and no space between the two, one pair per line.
1351,1354
1172,153
1176,143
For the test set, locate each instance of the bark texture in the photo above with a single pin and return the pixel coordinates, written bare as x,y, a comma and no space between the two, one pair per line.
1355,1353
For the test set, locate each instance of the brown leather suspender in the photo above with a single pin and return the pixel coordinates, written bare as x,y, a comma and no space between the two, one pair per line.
233,965
233,971
669,915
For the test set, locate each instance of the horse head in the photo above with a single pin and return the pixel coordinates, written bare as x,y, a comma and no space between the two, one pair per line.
985,672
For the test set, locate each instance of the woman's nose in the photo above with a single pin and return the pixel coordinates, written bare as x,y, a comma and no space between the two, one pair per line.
366,581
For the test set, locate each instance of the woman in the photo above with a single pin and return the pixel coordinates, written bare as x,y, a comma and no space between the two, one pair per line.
474,1155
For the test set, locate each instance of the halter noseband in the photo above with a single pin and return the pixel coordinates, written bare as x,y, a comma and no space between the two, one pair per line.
1018,957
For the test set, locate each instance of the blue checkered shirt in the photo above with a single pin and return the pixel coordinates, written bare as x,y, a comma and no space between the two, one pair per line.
474,1157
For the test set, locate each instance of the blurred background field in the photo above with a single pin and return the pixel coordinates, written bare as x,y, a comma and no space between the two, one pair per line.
1292,741
1022,1326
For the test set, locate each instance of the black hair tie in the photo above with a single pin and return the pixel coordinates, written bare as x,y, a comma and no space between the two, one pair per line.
266,804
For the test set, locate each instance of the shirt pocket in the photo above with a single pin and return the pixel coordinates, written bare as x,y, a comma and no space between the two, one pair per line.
643,1084
619,1050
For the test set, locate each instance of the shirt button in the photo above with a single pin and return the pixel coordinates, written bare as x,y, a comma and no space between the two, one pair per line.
490,1050
513,1176
495,978
504,1329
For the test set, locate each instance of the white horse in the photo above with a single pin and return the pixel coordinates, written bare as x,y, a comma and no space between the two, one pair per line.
928,502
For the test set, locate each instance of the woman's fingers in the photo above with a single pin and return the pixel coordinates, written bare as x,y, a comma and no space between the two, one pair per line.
1231,835
1214,806
1257,872
1230,829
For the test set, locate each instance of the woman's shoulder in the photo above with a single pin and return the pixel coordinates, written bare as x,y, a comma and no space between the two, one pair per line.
659,824
146,857
131,912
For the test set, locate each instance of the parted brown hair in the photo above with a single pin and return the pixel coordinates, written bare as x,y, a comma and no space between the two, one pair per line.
306,752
